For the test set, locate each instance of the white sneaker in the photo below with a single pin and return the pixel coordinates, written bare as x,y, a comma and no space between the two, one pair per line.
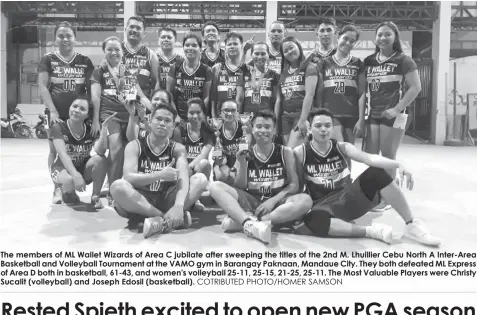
57,196
229,225
380,232
258,229
155,225
418,232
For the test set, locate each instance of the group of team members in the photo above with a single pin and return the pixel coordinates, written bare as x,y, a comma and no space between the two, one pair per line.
149,132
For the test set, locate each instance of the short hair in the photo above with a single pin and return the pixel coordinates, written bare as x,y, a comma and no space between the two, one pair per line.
170,109
198,101
397,38
326,20
139,19
109,39
88,101
210,23
64,24
230,35
192,35
169,94
265,114
167,29
318,112
278,22
260,43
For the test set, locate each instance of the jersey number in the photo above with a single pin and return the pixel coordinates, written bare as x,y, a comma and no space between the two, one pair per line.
69,85
375,85
155,186
339,87
188,94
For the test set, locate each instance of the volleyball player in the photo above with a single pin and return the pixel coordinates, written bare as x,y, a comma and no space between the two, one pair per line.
73,167
387,71
63,75
344,84
212,54
297,85
156,186
325,31
265,186
323,169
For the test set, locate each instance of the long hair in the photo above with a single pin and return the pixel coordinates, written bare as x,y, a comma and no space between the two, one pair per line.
397,38
301,58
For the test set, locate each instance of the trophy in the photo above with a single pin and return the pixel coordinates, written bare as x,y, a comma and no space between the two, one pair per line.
245,119
216,124
131,93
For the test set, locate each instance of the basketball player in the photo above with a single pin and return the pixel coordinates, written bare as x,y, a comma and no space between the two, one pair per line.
74,167
138,58
343,88
155,186
229,75
326,35
387,71
166,55
63,75
212,54
191,78
323,168
276,34
265,185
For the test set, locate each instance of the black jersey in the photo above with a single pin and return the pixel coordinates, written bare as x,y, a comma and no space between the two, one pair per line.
194,146
230,144
340,81
324,173
317,56
138,63
260,96
385,80
228,80
292,86
209,62
266,178
68,79
165,66
189,85
148,162
78,149
274,62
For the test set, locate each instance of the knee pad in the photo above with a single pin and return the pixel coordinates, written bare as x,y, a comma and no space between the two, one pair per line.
318,221
373,180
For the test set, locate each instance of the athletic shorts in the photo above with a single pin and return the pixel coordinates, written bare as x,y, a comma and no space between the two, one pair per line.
381,121
249,203
289,121
400,122
346,122
55,170
162,200
358,198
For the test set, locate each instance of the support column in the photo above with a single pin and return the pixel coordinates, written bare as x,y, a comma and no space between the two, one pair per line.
129,10
441,32
3,65
272,15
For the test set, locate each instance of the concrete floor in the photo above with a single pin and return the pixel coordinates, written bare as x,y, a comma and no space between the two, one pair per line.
444,197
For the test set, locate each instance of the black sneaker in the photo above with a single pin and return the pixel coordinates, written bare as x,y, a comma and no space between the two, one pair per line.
70,199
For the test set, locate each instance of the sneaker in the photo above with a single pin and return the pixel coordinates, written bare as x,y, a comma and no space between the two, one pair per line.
70,199
96,203
380,232
155,225
229,225
418,232
382,206
56,196
258,229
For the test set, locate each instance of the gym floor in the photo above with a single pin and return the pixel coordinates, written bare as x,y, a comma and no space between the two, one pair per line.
443,197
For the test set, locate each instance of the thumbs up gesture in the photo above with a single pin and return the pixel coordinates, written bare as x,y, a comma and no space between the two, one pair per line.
168,173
